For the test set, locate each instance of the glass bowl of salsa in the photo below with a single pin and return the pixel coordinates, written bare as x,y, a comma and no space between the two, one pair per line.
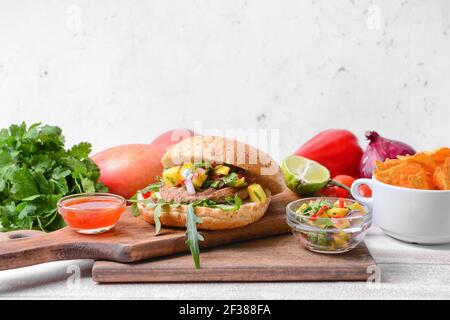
329,225
91,213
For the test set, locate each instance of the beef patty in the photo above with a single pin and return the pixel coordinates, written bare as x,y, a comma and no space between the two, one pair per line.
180,194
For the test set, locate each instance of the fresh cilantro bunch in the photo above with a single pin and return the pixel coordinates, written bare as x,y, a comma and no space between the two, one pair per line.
36,171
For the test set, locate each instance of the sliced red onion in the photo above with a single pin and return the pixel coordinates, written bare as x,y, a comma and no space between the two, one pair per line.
186,172
189,185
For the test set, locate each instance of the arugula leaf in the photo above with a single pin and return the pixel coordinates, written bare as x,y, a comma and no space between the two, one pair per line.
155,187
192,234
134,208
228,180
204,203
204,165
233,204
216,184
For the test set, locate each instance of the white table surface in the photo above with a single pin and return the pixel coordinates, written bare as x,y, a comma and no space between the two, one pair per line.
407,272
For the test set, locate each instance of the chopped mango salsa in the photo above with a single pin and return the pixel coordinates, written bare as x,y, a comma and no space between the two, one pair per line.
256,193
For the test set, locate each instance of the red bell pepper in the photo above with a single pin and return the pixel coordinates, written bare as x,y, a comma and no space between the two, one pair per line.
336,149
318,213
147,195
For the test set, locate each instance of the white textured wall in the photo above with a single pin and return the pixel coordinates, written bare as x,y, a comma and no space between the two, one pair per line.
117,71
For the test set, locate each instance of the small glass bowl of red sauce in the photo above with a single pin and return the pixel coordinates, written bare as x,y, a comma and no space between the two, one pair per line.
92,213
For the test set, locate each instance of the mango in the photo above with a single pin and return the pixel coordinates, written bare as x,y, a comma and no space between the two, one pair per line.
238,183
221,170
128,168
172,176
337,212
199,178
357,207
301,208
340,241
256,193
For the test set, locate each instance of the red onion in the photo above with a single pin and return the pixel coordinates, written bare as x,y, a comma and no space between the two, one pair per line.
380,148
189,185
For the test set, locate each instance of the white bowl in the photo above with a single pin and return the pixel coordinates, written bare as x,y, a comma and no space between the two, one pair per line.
410,215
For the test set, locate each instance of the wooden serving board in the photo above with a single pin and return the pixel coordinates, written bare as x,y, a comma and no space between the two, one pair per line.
131,240
279,258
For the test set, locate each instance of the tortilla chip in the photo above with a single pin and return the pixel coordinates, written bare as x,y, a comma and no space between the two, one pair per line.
399,175
441,177
440,155
423,170
421,180
387,164
424,159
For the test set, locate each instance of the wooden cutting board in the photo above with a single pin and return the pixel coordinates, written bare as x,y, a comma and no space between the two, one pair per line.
279,258
131,240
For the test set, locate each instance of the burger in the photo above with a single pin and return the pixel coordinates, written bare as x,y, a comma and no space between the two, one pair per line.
210,183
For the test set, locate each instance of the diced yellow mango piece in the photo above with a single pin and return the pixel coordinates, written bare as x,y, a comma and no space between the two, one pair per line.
340,241
239,182
199,178
221,170
339,212
172,176
301,208
358,207
256,193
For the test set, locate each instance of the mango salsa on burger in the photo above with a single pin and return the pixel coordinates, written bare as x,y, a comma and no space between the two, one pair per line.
210,183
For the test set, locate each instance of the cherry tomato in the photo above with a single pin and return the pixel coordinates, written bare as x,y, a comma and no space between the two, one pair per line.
365,191
344,179
336,191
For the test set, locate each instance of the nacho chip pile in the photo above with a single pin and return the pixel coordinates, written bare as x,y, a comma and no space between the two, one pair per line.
424,170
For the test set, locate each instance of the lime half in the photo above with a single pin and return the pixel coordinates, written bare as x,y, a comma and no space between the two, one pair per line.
304,176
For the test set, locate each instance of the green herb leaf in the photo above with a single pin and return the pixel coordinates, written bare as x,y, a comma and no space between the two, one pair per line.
23,184
192,235
32,197
230,179
155,187
233,204
134,210
81,151
36,171
28,210
323,222
134,207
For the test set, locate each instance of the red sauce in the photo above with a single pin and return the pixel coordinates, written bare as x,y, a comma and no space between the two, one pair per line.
92,212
